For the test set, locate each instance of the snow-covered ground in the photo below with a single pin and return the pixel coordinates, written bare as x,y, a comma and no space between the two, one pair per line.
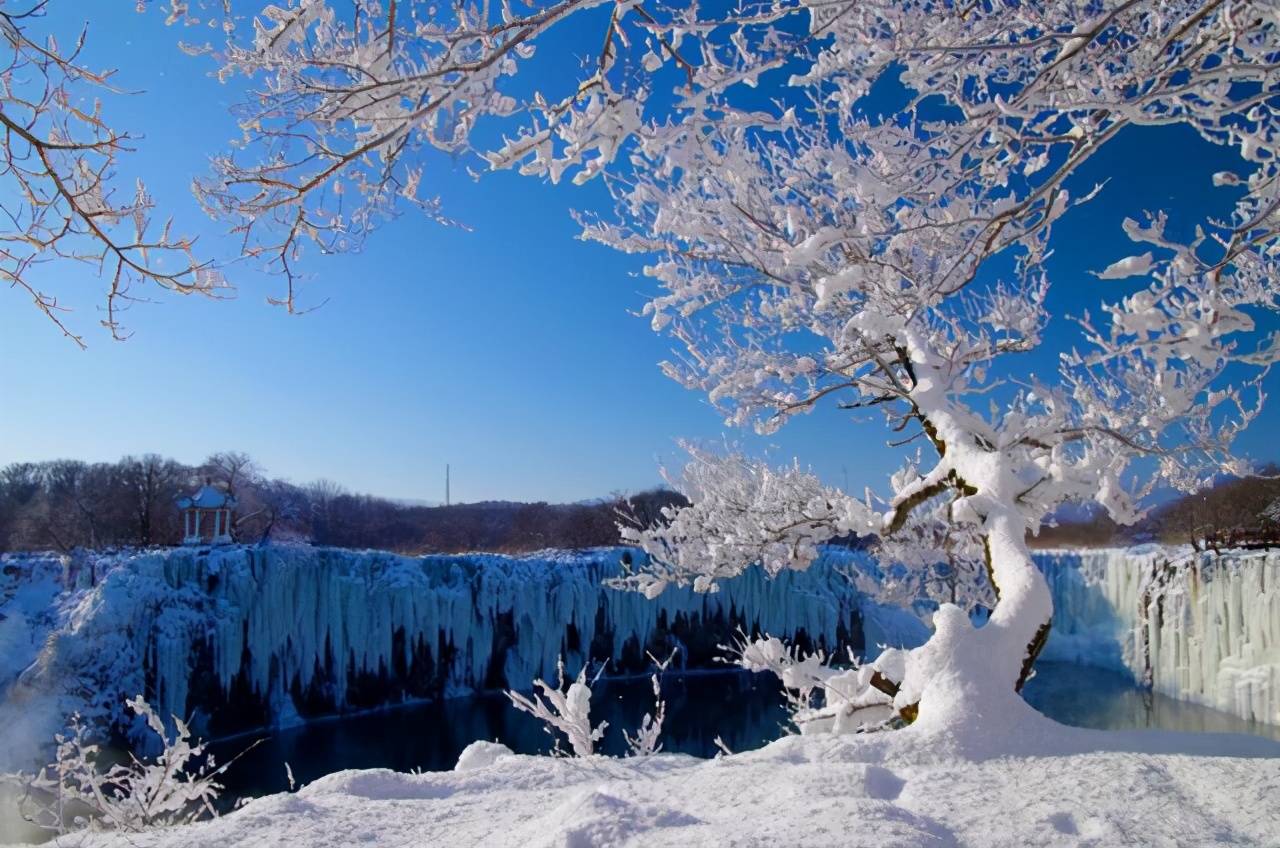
1032,782
1207,631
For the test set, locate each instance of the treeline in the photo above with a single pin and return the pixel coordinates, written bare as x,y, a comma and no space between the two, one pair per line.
1239,512
68,504
1235,513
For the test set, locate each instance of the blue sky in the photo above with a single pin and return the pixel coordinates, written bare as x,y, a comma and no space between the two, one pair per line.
508,351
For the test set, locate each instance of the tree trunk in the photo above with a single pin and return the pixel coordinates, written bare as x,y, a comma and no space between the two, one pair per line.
966,679
1024,606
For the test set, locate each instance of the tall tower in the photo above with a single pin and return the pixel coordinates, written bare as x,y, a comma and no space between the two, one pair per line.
446,484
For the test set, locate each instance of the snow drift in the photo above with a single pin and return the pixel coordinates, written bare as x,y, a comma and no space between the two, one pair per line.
1035,783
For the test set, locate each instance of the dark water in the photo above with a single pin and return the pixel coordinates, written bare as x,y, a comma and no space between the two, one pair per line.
1108,700
745,710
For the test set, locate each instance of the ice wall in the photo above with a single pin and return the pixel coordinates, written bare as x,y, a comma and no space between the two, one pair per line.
1201,627
292,628
278,619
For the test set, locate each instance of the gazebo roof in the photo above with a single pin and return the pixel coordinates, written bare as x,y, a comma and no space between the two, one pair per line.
208,497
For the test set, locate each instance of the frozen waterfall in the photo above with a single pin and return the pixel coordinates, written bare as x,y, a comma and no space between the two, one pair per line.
240,637
262,632
1201,627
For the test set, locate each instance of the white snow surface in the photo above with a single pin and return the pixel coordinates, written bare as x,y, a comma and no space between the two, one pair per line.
1030,782
1207,632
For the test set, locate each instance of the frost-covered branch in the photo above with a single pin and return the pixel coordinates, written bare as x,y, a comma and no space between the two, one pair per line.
567,711
63,199
348,100
742,513
932,559
645,741
851,700
76,791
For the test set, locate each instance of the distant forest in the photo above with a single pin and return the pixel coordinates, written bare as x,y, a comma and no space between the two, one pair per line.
67,504
1237,512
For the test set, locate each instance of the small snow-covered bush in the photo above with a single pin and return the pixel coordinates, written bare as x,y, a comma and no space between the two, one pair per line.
645,741
567,711
74,792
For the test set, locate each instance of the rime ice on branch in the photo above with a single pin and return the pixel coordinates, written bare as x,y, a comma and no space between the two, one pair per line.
64,201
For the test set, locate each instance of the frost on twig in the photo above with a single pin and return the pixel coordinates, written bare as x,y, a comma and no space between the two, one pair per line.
568,711
742,513
76,792
65,202
645,741
821,698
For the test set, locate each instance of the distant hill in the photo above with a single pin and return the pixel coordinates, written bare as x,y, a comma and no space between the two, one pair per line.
67,504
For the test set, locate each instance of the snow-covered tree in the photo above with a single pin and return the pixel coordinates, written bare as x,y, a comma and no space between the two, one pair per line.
815,241
848,202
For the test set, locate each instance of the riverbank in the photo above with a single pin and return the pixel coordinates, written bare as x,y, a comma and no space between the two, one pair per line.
745,711
1035,783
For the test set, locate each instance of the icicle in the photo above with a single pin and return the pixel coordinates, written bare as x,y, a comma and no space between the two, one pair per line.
1205,630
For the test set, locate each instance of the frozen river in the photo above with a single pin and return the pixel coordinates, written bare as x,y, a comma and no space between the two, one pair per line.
744,710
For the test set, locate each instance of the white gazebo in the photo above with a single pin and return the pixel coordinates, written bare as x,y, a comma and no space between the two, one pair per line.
206,516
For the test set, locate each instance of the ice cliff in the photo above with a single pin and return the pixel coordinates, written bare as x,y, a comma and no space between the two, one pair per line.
1200,627
241,637
248,636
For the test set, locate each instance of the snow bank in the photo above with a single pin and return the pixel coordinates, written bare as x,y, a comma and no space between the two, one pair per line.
1206,631
1039,784
298,628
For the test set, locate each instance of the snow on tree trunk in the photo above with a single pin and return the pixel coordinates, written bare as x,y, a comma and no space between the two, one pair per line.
963,671
1024,610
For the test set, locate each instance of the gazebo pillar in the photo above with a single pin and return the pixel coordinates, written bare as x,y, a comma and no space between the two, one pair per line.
217,504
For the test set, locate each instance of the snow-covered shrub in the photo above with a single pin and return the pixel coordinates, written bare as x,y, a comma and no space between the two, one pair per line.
821,698
567,711
74,792
645,741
